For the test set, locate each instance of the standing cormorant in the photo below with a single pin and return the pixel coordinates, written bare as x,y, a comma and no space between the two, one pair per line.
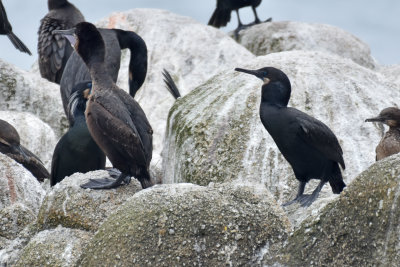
6,29
10,146
76,71
115,120
222,13
76,151
53,49
390,143
309,146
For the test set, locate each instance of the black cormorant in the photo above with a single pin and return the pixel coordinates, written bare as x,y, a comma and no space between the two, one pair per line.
309,146
222,13
115,120
76,151
390,143
53,49
6,29
10,146
76,71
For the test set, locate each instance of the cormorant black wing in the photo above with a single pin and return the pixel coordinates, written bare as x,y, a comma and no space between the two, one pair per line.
318,135
51,49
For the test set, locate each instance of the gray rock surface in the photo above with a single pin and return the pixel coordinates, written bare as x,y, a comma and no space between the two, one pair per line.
56,247
69,205
35,135
192,52
361,228
190,225
28,92
273,37
215,134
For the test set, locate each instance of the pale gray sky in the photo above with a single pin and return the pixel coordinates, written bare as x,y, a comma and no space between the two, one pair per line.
375,22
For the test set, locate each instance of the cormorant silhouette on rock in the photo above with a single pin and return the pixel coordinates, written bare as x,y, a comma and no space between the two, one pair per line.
390,143
309,146
76,151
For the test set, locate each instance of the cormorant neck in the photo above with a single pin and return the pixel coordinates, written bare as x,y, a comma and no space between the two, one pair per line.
100,75
54,4
276,93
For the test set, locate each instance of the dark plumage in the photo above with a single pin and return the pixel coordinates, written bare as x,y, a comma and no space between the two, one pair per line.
307,144
76,71
170,84
115,120
10,146
6,29
53,49
76,151
390,143
222,13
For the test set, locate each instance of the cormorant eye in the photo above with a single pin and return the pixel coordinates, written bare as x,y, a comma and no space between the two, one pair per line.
265,73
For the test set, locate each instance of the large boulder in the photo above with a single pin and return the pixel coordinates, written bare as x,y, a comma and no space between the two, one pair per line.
35,135
28,92
69,205
189,225
273,37
191,51
215,134
361,228
20,197
56,247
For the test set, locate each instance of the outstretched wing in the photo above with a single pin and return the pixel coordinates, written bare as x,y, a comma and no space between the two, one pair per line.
318,135
52,49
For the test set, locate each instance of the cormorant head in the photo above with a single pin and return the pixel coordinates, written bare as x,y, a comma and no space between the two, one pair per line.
9,137
87,41
54,4
77,100
389,116
276,88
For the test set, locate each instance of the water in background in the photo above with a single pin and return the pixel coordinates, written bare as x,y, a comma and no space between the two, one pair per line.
375,22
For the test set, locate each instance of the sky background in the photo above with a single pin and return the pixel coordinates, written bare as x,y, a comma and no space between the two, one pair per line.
376,22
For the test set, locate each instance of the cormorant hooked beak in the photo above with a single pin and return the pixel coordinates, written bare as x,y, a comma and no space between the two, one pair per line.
69,34
259,74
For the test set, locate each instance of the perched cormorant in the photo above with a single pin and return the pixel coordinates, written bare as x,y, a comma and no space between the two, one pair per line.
76,71
53,49
309,146
6,29
222,13
10,146
76,151
390,143
115,120
170,84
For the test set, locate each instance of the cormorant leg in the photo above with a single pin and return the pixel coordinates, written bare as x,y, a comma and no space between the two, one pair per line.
238,17
299,195
256,19
107,183
308,200
240,25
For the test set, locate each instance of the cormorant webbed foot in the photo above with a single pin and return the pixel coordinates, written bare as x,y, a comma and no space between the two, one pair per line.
245,26
114,173
107,183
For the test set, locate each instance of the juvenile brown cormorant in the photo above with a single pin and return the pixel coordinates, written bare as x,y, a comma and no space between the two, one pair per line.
390,143
10,146
222,13
6,29
115,120
53,49
309,146
76,151
76,71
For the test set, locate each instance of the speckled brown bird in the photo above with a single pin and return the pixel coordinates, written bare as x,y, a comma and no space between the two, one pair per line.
390,142
10,146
